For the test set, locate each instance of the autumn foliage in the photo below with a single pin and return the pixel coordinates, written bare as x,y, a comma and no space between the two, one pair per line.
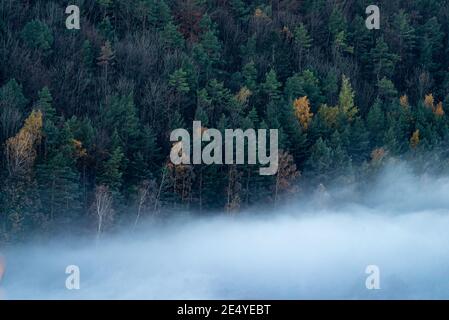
302,111
21,149
414,140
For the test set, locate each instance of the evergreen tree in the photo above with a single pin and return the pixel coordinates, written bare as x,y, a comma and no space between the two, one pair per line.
383,61
38,35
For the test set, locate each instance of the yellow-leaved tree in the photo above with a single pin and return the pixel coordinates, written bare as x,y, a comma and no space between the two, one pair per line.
329,114
403,101
243,95
346,99
429,101
302,111
21,149
414,140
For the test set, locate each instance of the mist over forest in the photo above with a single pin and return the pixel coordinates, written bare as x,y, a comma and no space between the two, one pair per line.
86,176
300,251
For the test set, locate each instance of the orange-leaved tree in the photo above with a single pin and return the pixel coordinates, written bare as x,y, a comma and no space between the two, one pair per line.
302,111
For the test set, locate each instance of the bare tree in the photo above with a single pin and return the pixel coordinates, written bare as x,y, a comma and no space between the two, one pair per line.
146,197
103,207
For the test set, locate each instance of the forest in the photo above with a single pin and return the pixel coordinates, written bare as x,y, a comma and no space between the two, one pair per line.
86,115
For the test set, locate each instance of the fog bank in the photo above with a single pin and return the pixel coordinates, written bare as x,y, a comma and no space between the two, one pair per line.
318,249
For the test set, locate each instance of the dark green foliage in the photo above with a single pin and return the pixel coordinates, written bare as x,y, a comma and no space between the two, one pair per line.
37,35
111,92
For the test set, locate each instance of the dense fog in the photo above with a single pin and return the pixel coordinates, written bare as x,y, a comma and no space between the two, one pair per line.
318,249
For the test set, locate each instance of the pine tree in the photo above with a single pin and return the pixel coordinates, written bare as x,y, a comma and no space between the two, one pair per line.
38,35
405,39
304,84
303,42
121,116
12,107
271,86
359,143
178,80
172,37
106,29
431,44
105,60
158,13
387,91
383,61
250,75
362,40
346,99
320,161
375,123
87,55
111,172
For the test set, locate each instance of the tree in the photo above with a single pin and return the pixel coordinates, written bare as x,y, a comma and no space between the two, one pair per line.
19,200
346,99
233,190
121,116
303,42
111,173
302,111
382,60
50,130
403,101
146,197
21,149
431,43
414,140
375,123
102,208
439,111
88,55
250,75
12,106
38,36
337,22
359,141
271,86
387,91
172,37
405,41
286,175
304,84
105,60
158,13
429,101
58,178
207,52
106,29
320,162
178,80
